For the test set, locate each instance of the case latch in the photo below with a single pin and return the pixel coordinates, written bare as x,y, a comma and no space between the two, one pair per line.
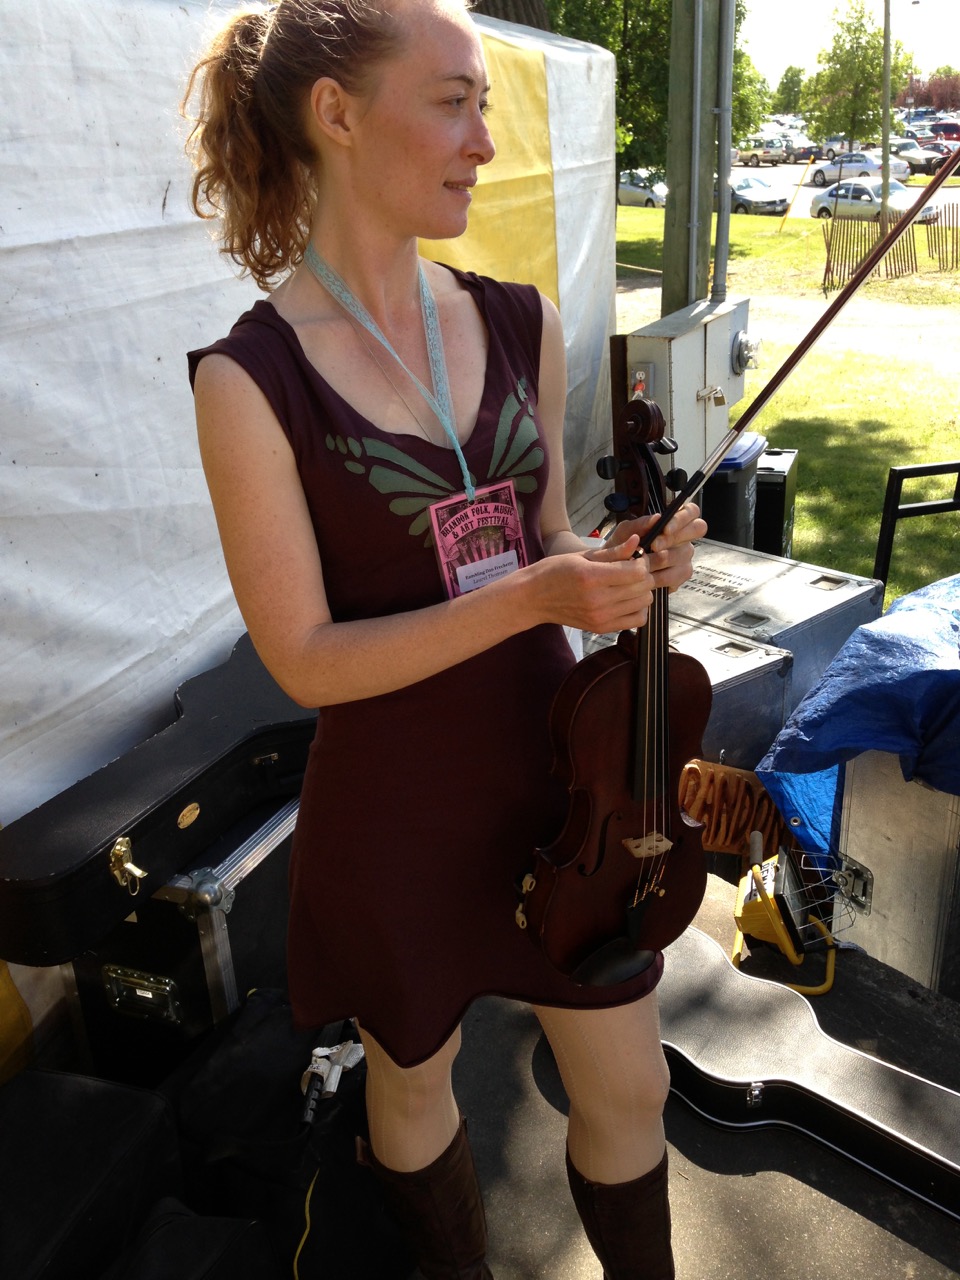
123,868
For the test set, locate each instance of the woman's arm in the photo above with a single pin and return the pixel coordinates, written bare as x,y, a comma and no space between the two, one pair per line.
277,577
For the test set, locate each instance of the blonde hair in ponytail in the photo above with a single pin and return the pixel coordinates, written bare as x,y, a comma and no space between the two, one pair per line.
255,165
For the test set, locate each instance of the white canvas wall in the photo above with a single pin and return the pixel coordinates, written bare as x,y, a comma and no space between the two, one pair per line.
112,586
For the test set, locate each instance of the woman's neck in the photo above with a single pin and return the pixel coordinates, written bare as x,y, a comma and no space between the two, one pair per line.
382,275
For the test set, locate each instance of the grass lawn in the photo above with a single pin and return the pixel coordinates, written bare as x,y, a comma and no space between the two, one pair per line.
849,421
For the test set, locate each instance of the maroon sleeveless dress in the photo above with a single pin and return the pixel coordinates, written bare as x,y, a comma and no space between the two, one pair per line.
420,808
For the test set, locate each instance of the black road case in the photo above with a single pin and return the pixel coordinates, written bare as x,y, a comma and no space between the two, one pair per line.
76,866
184,959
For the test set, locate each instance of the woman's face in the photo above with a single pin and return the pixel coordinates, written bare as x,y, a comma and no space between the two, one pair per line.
421,134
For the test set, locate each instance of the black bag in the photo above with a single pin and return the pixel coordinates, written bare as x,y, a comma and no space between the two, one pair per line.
175,1244
251,1145
82,1162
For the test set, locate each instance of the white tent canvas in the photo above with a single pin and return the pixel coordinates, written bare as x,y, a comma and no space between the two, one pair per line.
113,588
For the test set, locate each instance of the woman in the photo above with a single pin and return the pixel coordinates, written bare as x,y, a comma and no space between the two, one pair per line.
403,560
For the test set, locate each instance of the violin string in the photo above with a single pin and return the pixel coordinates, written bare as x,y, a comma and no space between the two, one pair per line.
657,647
655,748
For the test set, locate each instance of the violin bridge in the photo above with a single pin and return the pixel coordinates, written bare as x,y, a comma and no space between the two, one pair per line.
652,845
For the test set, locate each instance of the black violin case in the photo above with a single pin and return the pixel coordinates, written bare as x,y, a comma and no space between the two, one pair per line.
746,1053
238,746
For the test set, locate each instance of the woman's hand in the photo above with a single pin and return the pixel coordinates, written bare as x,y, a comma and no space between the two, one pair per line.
670,559
606,589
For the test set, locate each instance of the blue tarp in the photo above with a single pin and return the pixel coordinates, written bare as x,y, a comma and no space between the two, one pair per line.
894,686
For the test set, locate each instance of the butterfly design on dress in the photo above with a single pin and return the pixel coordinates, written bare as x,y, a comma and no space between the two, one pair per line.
517,454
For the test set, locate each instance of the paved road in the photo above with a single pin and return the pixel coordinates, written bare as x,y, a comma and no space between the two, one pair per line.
901,343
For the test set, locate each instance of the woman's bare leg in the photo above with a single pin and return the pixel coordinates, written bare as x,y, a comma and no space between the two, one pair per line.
410,1110
617,1080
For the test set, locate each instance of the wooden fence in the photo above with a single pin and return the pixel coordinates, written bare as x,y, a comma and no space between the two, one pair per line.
849,240
943,238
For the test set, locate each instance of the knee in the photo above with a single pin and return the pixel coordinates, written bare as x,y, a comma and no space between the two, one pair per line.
645,1090
636,1094
418,1090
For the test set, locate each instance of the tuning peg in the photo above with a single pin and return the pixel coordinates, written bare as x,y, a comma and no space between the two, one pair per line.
675,479
617,503
665,445
608,467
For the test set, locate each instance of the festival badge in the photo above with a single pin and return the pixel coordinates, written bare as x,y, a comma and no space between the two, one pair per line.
478,542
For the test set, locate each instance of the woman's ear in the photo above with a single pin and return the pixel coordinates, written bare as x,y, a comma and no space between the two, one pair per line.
332,110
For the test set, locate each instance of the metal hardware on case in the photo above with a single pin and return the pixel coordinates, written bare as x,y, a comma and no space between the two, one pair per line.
206,892
855,882
142,995
755,1094
272,758
188,816
122,867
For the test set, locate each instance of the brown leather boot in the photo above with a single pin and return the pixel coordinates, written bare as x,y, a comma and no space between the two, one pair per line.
627,1223
440,1211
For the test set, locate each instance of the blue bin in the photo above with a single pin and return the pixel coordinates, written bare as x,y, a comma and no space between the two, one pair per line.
729,498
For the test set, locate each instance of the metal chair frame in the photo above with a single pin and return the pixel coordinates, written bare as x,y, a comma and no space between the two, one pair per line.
894,509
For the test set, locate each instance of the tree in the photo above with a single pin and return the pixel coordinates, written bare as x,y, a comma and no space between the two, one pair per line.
637,32
751,97
943,88
786,100
531,13
844,97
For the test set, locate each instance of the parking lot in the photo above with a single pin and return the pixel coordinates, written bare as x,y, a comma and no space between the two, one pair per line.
794,180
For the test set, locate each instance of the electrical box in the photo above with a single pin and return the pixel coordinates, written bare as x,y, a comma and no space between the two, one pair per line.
692,363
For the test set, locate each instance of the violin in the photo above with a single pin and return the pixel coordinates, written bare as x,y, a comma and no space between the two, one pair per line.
627,873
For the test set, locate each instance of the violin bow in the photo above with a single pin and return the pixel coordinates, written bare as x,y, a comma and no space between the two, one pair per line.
699,478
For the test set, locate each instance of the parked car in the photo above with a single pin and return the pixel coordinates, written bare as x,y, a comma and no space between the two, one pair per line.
859,163
757,151
799,148
750,194
838,146
920,134
944,148
920,159
863,200
643,187
946,129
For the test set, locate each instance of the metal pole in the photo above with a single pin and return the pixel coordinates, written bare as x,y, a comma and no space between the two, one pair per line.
885,127
724,143
693,224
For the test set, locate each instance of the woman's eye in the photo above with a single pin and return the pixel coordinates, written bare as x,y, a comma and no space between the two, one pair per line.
459,102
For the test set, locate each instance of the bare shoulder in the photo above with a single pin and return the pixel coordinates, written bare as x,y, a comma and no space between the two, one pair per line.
442,280
236,426
218,375
223,387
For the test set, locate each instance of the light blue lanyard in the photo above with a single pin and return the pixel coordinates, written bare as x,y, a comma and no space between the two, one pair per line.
439,399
